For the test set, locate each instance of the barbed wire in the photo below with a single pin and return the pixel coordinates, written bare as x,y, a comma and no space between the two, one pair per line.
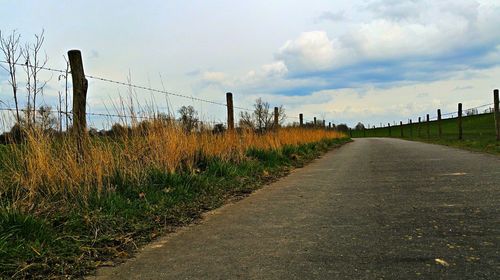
162,91
130,85
109,115
37,67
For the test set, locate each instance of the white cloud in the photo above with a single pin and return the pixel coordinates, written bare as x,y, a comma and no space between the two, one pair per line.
396,30
275,69
311,51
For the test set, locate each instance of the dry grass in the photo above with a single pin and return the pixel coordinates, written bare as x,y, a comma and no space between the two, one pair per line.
44,170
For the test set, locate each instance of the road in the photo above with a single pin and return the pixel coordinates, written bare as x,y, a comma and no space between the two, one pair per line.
373,209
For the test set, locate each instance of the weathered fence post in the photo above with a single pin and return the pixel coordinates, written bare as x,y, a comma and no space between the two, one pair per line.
80,86
329,125
440,130
301,120
314,121
497,113
230,111
419,122
411,128
428,127
276,117
460,135
401,126
389,126
324,124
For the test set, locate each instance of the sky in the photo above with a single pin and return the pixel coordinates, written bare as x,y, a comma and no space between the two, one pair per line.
374,61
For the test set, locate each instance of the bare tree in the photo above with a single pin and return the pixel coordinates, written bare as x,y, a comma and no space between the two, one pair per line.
12,52
246,120
46,120
188,118
34,64
263,117
281,115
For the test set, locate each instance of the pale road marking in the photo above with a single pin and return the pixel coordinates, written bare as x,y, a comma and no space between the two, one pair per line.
454,174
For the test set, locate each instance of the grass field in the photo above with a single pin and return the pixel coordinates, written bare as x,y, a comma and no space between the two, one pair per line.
478,133
62,218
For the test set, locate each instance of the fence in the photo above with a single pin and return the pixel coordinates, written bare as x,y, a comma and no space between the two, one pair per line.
78,115
474,125
80,87
434,126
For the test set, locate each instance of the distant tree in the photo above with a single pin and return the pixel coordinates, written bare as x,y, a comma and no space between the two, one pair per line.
281,115
45,118
359,126
218,128
342,127
164,119
188,118
118,130
246,120
262,117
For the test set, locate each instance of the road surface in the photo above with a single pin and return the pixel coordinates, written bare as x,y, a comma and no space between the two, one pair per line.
373,209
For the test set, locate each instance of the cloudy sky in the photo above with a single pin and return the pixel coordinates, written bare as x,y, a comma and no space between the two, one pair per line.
346,61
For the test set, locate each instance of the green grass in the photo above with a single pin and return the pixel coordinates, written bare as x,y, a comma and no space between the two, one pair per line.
112,225
478,133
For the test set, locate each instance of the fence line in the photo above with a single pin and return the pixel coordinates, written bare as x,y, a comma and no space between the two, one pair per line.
127,84
459,113
132,85
169,93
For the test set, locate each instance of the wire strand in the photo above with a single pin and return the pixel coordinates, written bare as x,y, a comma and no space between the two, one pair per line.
131,85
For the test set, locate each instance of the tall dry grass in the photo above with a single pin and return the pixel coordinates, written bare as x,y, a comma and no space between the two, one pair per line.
46,168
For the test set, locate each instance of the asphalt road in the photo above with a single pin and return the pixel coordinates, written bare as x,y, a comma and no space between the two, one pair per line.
373,209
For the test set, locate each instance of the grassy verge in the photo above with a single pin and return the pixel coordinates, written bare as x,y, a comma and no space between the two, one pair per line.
478,133
113,224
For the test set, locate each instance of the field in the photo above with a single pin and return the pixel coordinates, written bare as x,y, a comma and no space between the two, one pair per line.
62,215
478,133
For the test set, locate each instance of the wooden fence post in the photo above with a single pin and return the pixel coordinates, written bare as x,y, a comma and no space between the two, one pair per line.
428,127
411,128
230,111
324,124
301,120
329,125
460,131
419,122
276,117
401,126
440,130
314,121
389,126
497,113
80,86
